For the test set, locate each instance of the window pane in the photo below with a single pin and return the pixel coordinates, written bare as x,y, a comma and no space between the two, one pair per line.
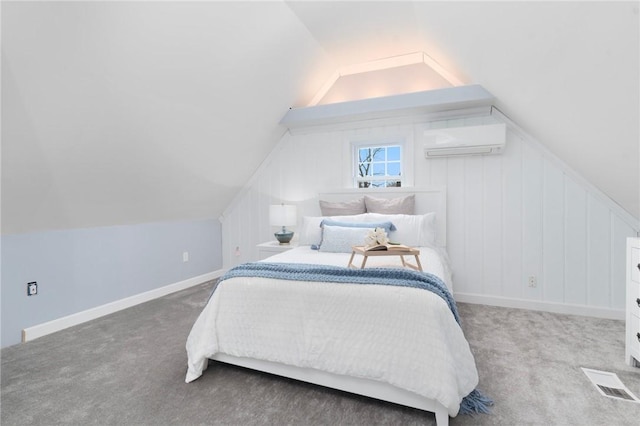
393,169
378,184
378,169
364,154
378,154
393,153
364,169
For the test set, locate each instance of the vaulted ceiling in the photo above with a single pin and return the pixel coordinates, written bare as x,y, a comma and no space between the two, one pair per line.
129,112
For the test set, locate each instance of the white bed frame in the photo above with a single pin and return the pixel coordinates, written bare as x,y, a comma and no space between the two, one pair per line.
357,385
432,199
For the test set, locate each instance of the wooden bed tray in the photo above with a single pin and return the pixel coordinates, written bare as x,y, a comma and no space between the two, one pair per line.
365,255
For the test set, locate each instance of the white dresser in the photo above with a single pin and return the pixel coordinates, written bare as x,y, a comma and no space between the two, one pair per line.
632,351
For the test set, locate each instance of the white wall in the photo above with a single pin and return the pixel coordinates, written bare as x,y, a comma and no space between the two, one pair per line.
521,214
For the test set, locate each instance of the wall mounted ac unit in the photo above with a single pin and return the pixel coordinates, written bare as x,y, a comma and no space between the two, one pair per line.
470,140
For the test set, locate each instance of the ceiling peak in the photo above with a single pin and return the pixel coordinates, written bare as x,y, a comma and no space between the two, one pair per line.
434,75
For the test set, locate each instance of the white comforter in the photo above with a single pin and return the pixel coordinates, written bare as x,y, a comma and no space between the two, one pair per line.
435,261
406,337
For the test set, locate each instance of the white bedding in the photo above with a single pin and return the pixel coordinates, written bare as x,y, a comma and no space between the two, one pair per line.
405,337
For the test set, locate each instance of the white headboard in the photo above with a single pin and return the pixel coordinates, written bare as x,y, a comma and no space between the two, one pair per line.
428,199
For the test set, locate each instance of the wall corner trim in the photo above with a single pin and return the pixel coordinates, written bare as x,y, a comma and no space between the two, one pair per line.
59,324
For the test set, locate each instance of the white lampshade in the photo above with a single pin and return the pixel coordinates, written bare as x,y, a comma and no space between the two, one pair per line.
282,215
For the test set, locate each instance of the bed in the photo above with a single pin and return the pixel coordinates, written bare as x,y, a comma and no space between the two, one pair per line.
376,332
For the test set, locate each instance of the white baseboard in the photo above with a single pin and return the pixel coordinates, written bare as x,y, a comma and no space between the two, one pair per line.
49,327
58,324
537,305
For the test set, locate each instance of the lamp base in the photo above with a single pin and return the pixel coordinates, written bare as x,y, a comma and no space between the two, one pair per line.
284,237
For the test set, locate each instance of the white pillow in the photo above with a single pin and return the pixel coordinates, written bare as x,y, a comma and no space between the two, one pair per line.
411,230
339,239
310,232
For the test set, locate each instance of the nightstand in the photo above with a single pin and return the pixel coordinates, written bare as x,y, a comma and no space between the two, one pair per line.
273,247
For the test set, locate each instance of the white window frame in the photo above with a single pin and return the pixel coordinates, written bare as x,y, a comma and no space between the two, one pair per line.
406,158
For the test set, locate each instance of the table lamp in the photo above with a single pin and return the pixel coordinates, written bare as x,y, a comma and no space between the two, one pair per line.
283,215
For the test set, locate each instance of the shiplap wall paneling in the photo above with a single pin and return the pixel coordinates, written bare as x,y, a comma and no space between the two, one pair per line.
275,184
456,222
338,162
312,159
323,159
492,248
575,243
329,155
243,223
422,168
293,175
247,223
251,226
273,176
598,254
258,221
512,276
262,210
272,188
553,234
532,208
473,228
510,216
437,171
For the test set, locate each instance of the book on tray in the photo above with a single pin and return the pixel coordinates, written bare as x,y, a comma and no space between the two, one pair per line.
388,247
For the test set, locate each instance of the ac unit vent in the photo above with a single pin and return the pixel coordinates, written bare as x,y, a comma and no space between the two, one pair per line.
471,140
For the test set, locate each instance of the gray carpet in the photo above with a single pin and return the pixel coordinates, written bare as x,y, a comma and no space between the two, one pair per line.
128,369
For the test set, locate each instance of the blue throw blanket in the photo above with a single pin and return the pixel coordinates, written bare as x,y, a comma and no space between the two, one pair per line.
335,274
475,402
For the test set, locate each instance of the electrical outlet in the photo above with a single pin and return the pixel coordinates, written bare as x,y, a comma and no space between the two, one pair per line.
185,256
533,282
32,288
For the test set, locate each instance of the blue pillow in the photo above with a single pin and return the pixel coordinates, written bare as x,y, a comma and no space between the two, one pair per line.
339,239
388,226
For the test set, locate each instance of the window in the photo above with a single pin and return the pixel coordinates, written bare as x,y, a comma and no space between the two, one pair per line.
378,166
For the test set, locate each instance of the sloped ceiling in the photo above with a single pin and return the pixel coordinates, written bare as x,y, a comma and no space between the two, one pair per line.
567,72
130,112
